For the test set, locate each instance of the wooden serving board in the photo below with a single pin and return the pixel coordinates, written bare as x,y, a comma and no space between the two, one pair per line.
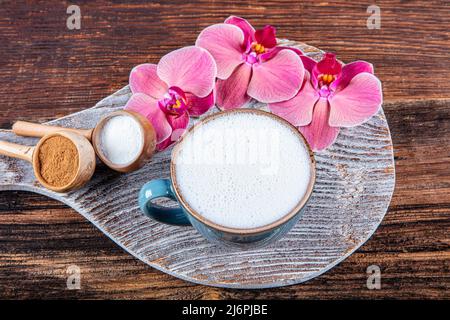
355,182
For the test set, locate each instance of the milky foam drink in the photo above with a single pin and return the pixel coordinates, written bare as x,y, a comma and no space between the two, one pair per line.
243,170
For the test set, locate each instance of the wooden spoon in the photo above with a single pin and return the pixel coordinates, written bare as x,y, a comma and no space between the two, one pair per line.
23,128
86,159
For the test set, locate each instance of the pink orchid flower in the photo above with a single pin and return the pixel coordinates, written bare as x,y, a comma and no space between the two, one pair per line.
331,96
168,93
250,64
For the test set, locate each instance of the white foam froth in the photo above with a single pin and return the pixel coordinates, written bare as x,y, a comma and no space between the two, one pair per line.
243,170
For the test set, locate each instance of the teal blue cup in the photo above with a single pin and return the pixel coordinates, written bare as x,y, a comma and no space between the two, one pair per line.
184,214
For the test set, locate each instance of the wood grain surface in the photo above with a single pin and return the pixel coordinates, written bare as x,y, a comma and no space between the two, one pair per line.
48,71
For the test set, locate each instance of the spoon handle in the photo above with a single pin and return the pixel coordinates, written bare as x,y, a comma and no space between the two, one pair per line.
29,129
16,150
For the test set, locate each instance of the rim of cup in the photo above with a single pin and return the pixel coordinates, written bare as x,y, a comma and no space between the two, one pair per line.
243,231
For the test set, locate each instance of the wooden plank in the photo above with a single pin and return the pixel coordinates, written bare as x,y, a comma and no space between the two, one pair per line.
81,67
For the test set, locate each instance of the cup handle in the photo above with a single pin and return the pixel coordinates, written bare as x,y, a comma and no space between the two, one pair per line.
161,188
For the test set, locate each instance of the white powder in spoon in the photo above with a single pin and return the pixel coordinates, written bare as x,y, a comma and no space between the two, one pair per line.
121,139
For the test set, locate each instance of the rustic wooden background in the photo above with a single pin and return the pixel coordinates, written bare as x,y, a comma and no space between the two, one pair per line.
47,71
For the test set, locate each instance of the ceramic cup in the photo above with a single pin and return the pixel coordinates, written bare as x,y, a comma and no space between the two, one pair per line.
183,214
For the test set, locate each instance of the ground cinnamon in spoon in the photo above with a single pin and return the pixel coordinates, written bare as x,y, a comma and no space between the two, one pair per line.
58,161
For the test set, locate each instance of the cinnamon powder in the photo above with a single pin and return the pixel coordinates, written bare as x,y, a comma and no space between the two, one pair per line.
58,161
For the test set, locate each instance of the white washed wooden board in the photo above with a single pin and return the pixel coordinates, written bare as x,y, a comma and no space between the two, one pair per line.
355,182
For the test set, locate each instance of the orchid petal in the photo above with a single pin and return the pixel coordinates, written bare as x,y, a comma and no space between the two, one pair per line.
266,36
274,51
190,68
318,133
277,79
310,66
198,106
308,63
144,79
349,71
244,25
164,144
232,92
179,125
356,103
298,110
329,64
224,42
148,107
297,51
178,121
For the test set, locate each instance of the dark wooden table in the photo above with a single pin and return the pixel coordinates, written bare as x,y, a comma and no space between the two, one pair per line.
47,71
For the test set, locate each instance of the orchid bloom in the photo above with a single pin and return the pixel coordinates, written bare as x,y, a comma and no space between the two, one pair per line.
180,85
331,96
250,64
